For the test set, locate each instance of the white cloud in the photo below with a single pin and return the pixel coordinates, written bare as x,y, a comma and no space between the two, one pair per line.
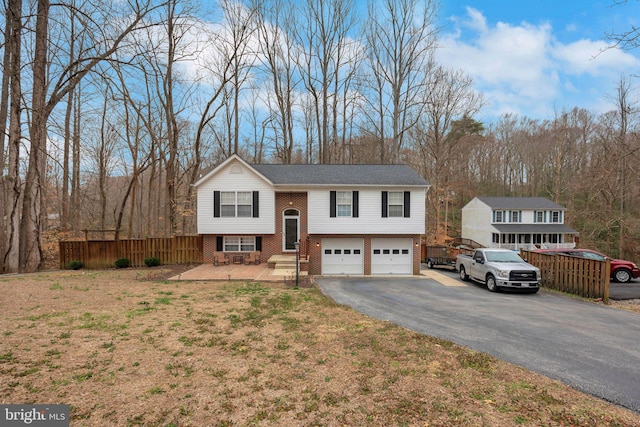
524,69
594,58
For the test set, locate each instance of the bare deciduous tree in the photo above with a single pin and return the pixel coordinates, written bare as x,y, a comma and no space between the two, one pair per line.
400,38
322,36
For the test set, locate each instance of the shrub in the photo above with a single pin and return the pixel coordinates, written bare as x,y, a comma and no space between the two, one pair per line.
152,261
122,263
75,265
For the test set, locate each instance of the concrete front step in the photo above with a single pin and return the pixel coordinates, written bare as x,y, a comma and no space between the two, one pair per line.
285,265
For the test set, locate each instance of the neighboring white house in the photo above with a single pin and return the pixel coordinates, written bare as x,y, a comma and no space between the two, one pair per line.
516,222
349,219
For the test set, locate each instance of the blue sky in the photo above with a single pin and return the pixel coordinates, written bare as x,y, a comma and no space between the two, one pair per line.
535,58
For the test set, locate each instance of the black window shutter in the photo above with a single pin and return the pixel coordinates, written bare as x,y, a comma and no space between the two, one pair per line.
407,204
385,206
354,208
216,204
332,204
258,243
256,207
219,247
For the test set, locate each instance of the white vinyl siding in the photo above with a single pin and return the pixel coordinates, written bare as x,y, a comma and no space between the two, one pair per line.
369,214
245,182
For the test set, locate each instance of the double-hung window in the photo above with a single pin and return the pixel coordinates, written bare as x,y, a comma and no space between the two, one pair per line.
555,216
239,243
498,216
515,215
243,204
539,216
343,203
396,203
232,204
227,203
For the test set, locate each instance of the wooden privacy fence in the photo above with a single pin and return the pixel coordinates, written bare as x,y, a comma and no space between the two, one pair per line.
103,253
584,277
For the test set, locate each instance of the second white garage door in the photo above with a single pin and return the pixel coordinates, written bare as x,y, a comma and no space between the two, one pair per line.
391,256
342,256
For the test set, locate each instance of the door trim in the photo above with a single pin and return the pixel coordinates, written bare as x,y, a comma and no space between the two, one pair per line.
287,214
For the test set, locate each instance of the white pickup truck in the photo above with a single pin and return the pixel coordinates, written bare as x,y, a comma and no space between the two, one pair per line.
498,268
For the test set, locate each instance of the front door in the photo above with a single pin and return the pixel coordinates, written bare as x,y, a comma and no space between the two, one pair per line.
291,229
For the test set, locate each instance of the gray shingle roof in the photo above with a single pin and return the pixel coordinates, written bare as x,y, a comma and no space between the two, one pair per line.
520,203
386,175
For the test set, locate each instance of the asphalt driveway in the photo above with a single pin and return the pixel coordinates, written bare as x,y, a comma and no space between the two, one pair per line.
593,348
625,291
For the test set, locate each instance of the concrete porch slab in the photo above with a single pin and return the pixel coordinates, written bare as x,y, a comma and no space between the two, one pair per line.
259,272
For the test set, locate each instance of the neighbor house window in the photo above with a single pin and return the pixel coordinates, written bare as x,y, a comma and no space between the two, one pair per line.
343,203
555,217
498,216
242,204
239,243
539,216
515,216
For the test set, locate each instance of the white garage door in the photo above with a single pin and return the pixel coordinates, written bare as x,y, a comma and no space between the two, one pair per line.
391,256
342,256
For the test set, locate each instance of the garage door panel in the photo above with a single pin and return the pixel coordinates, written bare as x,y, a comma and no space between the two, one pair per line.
342,256
392,256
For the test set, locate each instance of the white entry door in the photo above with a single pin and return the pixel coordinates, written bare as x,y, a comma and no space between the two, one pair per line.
392,256
342,256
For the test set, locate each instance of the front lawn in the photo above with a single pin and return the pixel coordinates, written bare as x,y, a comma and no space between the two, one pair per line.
124,348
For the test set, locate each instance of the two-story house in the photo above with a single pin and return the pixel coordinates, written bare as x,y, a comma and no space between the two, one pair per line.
348,219
516,222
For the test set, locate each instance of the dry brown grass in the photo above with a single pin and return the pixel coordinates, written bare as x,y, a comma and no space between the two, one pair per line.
123,348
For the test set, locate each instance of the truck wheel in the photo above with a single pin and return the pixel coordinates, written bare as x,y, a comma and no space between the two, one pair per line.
491,284
622,275
463,274
430,264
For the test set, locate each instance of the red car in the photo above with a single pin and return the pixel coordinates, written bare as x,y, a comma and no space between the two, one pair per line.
621,271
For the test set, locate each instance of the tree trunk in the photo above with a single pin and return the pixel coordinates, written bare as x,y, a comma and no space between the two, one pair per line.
13,201
75,173
30,247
